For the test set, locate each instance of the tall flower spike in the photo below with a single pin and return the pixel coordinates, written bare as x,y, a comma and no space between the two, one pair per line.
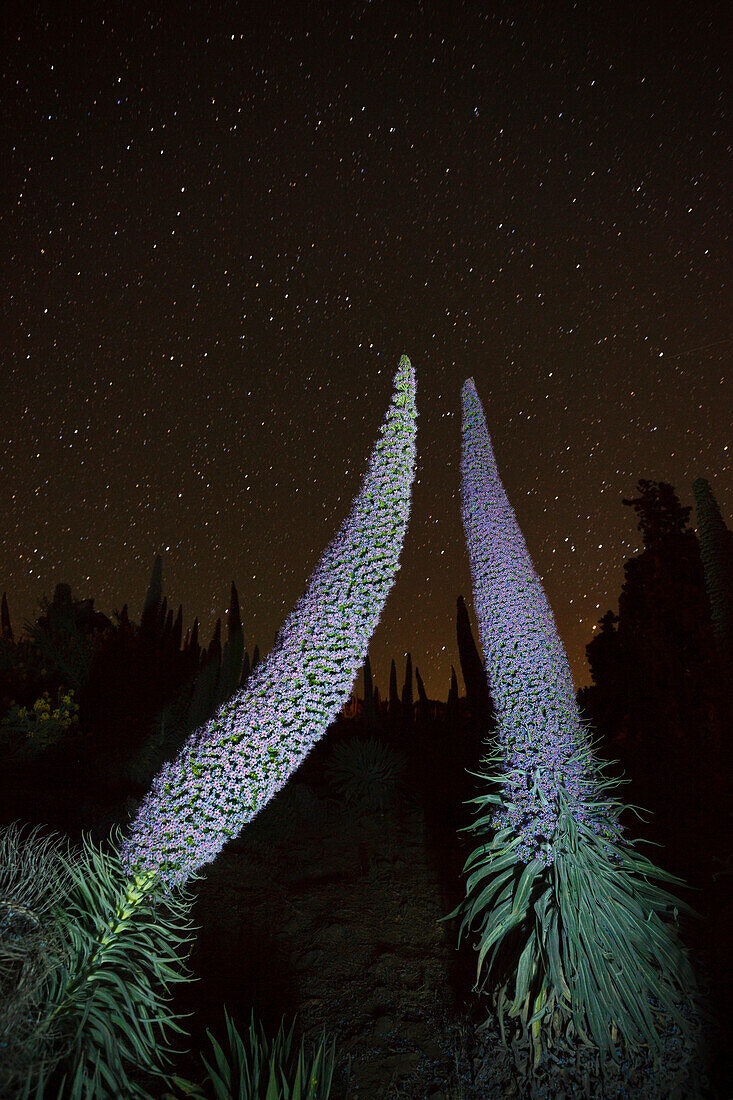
552,877
231,767
538,722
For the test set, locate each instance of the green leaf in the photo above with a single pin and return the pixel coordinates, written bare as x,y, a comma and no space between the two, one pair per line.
526,968
501,921
491,869
552,943
525,886
488,892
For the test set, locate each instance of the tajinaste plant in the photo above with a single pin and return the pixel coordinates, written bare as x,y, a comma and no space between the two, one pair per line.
237,761
129,910
592,946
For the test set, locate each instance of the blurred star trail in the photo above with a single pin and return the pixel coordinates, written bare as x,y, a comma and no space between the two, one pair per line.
224,223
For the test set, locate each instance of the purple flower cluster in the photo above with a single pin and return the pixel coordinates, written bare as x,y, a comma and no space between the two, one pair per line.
231,767
547,762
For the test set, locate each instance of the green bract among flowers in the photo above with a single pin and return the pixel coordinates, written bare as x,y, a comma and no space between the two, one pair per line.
579,937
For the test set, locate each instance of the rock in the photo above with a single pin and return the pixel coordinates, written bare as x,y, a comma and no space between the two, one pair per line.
383,1025
310,958
334,933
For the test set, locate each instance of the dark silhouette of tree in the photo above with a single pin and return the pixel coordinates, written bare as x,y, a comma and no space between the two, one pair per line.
602,703
231,662
163,618
658,696
407,696
659,512
65,635
480,707
452,703
134,671
395,710
178,629
150,618
7,630
192,649
423,704
245,669
370,713
204,698
716,550
214,650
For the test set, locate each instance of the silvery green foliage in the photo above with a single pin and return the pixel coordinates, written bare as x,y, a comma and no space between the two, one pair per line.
231,767
538,722
34,878
591,951
102,1016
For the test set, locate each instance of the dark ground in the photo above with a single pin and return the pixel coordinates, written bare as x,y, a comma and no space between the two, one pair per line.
334,916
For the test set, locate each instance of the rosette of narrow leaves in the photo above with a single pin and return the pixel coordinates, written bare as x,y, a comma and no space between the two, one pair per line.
83,1001
365,774
230,768
105,1002
254,1070
34,877
579,937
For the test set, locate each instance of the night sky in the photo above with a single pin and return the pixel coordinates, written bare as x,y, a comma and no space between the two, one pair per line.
222,225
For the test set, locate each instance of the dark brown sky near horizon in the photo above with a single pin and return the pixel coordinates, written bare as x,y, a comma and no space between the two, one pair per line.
220,229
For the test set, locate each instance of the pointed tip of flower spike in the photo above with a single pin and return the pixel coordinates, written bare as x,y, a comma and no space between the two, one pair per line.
209,792
405,375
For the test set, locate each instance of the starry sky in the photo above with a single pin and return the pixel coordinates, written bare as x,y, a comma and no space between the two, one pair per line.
222,224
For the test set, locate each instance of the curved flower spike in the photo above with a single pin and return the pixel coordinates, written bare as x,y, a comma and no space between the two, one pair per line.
231,768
